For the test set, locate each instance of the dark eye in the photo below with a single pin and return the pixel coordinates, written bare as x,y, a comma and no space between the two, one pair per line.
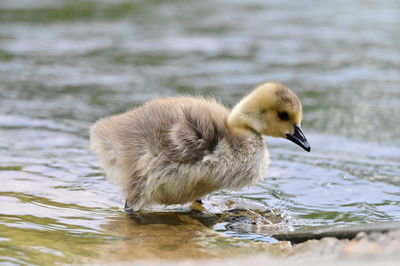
284,116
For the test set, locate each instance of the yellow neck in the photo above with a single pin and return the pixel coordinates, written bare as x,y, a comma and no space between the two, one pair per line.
238,121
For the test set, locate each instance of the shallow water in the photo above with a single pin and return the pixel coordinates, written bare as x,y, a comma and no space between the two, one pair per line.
64,64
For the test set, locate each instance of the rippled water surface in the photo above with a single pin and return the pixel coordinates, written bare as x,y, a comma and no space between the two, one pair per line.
65,64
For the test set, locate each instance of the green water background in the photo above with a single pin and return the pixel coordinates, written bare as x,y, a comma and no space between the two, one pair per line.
65,64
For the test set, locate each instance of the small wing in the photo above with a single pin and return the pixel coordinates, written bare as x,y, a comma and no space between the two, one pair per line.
195,135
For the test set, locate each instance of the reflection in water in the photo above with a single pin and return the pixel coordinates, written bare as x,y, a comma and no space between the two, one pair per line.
181,237
65,64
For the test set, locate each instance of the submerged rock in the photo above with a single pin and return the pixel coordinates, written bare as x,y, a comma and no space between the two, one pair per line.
239,215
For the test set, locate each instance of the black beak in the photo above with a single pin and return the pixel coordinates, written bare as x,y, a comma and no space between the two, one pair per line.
299,138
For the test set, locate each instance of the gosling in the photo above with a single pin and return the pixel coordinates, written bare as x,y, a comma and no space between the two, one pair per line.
177,150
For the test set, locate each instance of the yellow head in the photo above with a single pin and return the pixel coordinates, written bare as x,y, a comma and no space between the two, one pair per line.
272,110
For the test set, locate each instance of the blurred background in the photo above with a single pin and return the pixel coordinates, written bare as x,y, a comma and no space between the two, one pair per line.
65,64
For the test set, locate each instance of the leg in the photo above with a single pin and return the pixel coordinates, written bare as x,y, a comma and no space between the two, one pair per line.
197,206
127,208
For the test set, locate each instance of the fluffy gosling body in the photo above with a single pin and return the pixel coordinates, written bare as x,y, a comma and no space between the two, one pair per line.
176,150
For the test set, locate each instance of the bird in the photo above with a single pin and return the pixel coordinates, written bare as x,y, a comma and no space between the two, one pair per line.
177,150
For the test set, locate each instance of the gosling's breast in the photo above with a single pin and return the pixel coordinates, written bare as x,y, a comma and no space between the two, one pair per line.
241,162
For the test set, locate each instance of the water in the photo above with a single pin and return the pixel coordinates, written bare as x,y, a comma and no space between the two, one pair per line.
64,64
